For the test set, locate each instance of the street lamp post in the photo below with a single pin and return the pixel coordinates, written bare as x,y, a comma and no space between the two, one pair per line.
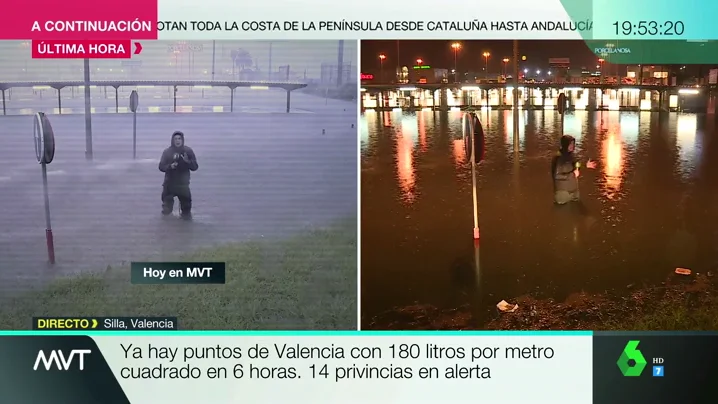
382,57
417,73
486,62
25,45
214,57
456,46
269,63
506,63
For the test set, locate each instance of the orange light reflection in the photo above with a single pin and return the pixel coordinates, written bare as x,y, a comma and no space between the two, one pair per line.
613,162
405,163
459,152
508,126
422,131
387,119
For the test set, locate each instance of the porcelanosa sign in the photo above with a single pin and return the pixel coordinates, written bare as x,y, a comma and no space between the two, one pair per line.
610,51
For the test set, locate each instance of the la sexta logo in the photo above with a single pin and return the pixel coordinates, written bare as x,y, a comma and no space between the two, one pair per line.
59,360
631,362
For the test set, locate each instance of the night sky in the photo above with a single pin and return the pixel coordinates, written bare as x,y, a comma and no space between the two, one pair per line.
439,54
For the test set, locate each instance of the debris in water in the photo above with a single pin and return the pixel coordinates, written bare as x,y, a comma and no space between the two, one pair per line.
683,271
507,307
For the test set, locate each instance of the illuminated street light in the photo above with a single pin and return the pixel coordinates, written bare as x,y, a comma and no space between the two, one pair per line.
486,62
455,46
382,57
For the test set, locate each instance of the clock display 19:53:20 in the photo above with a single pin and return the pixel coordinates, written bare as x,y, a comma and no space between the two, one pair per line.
652,28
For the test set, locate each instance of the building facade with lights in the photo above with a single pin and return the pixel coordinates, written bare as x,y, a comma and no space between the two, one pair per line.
422,74
649,74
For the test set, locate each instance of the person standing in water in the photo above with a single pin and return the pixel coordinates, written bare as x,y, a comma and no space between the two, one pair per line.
565,170
176,162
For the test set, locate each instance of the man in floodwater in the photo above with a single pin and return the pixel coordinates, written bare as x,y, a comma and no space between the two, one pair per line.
176,162
565,169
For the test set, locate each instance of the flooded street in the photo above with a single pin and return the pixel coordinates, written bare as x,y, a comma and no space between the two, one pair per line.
107,212
651,205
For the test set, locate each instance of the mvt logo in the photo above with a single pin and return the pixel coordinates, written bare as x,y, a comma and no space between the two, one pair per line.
60,360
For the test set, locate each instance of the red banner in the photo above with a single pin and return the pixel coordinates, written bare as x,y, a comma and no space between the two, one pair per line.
85,49
78,19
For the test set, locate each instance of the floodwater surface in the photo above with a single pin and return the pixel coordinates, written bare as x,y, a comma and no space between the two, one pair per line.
261,176
651,205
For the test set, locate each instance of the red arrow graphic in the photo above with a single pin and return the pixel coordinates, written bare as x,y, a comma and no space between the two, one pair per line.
138,48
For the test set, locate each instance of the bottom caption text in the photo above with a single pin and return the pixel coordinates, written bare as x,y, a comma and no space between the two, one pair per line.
354,369
294,361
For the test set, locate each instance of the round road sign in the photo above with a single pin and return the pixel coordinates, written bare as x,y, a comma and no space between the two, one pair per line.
39,138
561,103
467,132
44,139
134,101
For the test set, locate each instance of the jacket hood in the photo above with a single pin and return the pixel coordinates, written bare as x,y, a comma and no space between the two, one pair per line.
566,141
172,139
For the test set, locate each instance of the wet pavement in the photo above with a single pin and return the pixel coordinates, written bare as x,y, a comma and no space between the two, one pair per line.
651,205
261,175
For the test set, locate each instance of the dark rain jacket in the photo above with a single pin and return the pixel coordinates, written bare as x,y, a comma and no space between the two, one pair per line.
563,165
180,175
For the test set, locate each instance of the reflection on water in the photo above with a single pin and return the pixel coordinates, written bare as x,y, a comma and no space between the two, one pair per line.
422,129
686,133
459,152
573,125
650,206
508,123
456,136
405,157
612,161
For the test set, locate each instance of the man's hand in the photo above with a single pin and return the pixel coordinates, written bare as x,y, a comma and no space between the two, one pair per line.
185,158
576,173
590,164
173,165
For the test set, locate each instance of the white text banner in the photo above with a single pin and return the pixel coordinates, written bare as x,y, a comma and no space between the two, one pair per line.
352,368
